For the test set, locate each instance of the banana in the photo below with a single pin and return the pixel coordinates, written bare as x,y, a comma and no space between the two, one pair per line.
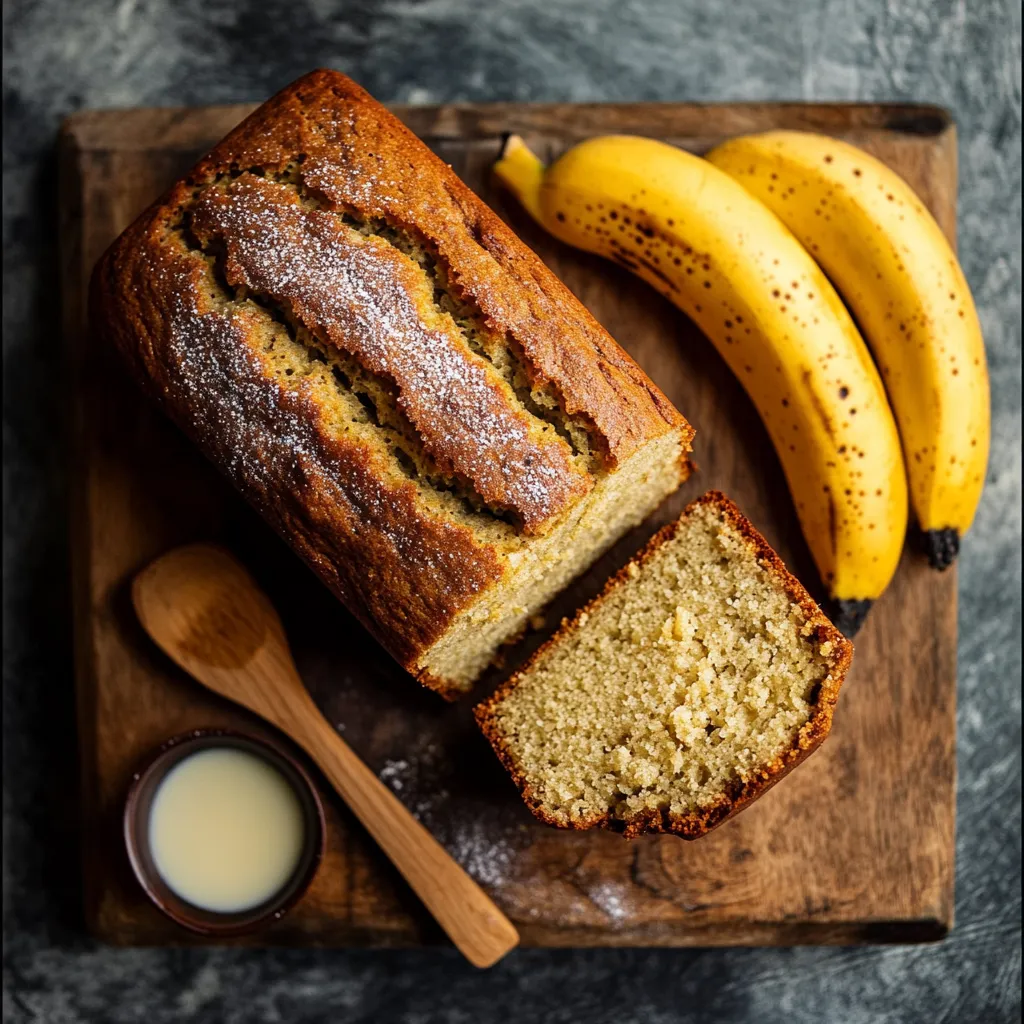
730,264
890,260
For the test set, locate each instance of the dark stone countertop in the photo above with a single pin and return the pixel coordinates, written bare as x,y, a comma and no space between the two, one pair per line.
60,57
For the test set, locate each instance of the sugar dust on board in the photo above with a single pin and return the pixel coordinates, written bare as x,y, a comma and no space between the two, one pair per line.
226,830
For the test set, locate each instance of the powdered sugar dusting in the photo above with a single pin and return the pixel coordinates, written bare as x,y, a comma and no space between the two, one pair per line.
611,898
479,837
267,439
475,840
486,860
360,293
393,773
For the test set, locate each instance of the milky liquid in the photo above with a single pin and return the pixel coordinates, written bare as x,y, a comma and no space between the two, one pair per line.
226,830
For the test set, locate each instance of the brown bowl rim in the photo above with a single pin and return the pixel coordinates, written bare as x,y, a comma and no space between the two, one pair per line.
208,926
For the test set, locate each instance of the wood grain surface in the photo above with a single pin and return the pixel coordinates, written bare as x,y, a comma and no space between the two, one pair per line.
856,846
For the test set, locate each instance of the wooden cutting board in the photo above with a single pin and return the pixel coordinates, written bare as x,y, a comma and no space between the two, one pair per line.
857,846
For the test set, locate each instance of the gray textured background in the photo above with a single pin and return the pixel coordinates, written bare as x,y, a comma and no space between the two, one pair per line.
61,56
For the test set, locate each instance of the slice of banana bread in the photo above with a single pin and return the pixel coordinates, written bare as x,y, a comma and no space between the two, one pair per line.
700,676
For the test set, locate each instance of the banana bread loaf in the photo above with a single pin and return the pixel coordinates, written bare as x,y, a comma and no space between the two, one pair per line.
388,374
699,677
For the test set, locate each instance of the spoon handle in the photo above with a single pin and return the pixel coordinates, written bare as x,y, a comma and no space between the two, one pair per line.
472,921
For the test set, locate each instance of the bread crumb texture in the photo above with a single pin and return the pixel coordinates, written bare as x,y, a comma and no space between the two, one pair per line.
539,567
693,676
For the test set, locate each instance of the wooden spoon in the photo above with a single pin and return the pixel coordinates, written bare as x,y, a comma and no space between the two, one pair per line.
205,610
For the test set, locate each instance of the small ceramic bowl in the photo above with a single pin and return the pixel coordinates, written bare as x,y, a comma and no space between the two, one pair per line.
136,833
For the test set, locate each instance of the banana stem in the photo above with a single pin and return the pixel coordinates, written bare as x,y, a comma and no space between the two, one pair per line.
521,172
849,616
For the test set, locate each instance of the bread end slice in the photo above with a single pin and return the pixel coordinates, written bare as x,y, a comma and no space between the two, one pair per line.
700,676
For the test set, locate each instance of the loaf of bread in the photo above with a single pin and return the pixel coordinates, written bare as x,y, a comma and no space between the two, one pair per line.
699,677
397,383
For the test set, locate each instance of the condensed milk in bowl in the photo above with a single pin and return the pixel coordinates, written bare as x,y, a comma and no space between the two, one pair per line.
224,831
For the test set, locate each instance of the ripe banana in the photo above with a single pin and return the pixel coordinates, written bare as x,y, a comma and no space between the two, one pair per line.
729,263
890,260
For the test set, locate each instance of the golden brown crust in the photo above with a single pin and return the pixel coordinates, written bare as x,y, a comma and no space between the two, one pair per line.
361,156
404,569
402,574
464,414
810,737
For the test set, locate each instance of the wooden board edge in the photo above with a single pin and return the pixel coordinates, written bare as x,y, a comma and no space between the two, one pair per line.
948,143
176,127
947,152
73,322
746,934
947,894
